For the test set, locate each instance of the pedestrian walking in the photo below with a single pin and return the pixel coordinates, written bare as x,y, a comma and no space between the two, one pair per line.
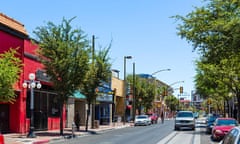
162,117
77,120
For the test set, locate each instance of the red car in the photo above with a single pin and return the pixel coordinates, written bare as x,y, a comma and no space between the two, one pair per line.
154,117
222,126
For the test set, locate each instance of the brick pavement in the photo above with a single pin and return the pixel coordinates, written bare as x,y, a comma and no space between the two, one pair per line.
44,137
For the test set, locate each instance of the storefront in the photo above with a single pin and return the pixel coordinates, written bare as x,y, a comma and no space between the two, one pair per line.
15,117
104,109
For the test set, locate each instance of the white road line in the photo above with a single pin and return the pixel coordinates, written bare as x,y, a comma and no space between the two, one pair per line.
167,138
181,137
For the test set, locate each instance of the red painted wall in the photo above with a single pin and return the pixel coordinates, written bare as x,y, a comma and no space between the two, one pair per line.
17,111
8,41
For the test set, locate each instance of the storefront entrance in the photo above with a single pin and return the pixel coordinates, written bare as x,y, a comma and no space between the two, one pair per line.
45,106
4,118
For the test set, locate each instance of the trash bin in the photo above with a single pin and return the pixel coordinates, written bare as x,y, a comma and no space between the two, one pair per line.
96,123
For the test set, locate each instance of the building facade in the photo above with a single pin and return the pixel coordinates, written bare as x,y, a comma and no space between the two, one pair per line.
15,117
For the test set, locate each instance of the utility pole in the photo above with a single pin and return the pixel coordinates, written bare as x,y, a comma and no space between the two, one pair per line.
134,97
94,101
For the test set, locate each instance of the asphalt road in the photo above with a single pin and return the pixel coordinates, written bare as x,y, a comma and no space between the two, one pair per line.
151,134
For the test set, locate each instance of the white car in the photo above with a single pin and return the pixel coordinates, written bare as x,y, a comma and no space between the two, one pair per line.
142,120
184,119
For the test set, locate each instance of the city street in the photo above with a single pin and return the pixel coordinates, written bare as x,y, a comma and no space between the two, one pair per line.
153,134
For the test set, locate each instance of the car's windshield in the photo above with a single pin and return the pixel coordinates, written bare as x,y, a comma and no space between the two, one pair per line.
221,122
184,114
141,117
212,118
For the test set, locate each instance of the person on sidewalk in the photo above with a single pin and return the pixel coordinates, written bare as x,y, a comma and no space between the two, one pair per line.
162,117
77,120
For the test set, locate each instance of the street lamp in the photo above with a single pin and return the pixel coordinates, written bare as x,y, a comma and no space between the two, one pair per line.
155,79
133,94
155,87
176,83
125,89
31,83
160,71
178,95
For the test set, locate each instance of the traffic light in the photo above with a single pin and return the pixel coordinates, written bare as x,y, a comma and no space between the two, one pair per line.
181,89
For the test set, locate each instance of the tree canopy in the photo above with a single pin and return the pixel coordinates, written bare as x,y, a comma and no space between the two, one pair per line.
213,30
10,69
64,51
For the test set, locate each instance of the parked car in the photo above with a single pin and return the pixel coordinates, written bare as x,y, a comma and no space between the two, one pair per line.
153,117
221,127
232,137
210,121
184,119
196,115
201,121
142,120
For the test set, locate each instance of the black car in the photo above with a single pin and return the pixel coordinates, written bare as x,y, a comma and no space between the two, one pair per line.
210,121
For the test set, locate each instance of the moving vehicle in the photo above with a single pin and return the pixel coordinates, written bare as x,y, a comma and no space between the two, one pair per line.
210,121
221,127
184,119
153,117
232,137
142,120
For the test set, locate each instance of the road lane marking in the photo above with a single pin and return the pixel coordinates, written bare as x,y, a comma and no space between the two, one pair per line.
179,137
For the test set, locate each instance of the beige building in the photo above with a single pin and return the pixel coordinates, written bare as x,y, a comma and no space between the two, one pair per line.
118,85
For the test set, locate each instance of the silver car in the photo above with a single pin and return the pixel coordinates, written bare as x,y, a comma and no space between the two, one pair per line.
184,119
142,120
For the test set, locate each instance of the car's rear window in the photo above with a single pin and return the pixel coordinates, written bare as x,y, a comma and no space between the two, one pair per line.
141,117
226,122
185,114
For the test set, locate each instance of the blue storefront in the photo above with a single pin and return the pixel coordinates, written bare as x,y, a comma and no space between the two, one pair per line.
104,109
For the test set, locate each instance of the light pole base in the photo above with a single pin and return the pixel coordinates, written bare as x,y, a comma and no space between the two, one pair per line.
31,133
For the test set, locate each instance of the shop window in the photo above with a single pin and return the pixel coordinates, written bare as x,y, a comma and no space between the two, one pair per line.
54,106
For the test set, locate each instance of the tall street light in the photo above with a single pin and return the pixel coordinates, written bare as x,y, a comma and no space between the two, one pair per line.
155,78
155,97
31,83
160,71
178,95
125,89
176,83
133,94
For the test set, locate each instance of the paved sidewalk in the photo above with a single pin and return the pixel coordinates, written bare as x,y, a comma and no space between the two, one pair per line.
45,137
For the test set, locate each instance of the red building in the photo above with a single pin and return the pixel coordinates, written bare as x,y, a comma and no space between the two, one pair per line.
15,117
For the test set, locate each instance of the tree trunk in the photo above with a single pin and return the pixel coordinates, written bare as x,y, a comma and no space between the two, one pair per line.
93,114
88,113
238,105
61,117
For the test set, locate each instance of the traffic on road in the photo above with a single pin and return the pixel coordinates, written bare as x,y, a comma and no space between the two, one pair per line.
159,133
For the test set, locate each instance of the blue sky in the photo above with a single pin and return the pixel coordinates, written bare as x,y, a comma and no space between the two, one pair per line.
140,28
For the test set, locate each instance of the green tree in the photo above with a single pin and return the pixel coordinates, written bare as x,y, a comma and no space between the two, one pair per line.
10,69
144,90
172,102
213,30
64,51
99,71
